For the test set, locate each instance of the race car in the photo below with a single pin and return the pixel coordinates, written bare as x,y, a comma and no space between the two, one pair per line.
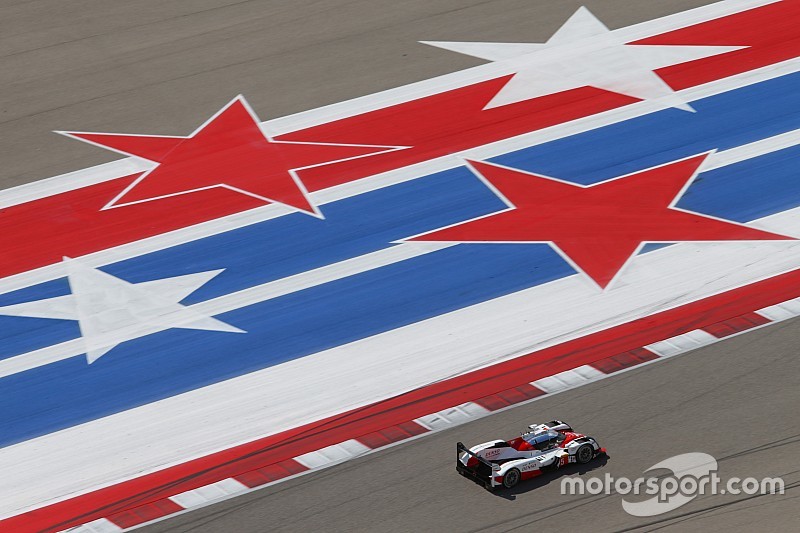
544,447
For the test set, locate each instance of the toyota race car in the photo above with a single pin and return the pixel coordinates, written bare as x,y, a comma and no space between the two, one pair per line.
543,448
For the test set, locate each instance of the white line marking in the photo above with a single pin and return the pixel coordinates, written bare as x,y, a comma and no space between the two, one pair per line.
332,454
209,493
781,311
682,343
568,379
101,525
77,179
319,276
752,150
452,416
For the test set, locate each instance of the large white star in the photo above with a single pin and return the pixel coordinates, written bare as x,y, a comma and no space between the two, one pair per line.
110,310
584,52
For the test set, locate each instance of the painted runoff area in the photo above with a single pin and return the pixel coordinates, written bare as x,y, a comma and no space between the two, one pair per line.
327,317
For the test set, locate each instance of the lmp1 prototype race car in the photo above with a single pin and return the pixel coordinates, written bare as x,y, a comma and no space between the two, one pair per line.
544,448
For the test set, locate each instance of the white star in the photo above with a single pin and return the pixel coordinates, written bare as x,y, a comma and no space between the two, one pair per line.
584,52
110,310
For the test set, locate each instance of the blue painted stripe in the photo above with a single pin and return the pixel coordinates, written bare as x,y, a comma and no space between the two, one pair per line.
752,189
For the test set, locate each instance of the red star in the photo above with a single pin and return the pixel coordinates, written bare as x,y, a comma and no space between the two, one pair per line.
229,150
597,228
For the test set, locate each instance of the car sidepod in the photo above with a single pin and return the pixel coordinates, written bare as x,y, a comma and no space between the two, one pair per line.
533,466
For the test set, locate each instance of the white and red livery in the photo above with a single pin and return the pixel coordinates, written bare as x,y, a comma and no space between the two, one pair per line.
543,448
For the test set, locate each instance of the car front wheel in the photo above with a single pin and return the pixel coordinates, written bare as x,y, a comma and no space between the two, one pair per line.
584,454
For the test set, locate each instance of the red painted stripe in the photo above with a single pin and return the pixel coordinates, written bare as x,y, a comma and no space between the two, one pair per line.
71,224
145,513
43,231
409,406
384,437
770,33
618,362
514,395
736,325
270,473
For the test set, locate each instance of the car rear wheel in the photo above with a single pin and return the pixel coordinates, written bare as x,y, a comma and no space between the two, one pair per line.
584,454
511,478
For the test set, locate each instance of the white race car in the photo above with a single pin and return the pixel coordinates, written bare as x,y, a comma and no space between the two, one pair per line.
543,448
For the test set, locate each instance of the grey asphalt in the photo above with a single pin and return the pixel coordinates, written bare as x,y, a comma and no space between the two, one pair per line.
737,400
163,67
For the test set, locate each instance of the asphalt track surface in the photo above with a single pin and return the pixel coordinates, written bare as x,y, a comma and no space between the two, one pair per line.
156,67
736,400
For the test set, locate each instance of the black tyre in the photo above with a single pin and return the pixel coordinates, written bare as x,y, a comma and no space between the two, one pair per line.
511,478
584,454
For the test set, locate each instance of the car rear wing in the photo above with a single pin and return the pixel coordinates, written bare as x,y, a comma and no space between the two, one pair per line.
481,473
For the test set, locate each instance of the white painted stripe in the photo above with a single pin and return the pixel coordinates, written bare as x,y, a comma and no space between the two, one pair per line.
663,348
332,454
682,343
101,525
335,271
28,192
782,311
452,416
386,179
752,150
319,276
568,379
209,493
